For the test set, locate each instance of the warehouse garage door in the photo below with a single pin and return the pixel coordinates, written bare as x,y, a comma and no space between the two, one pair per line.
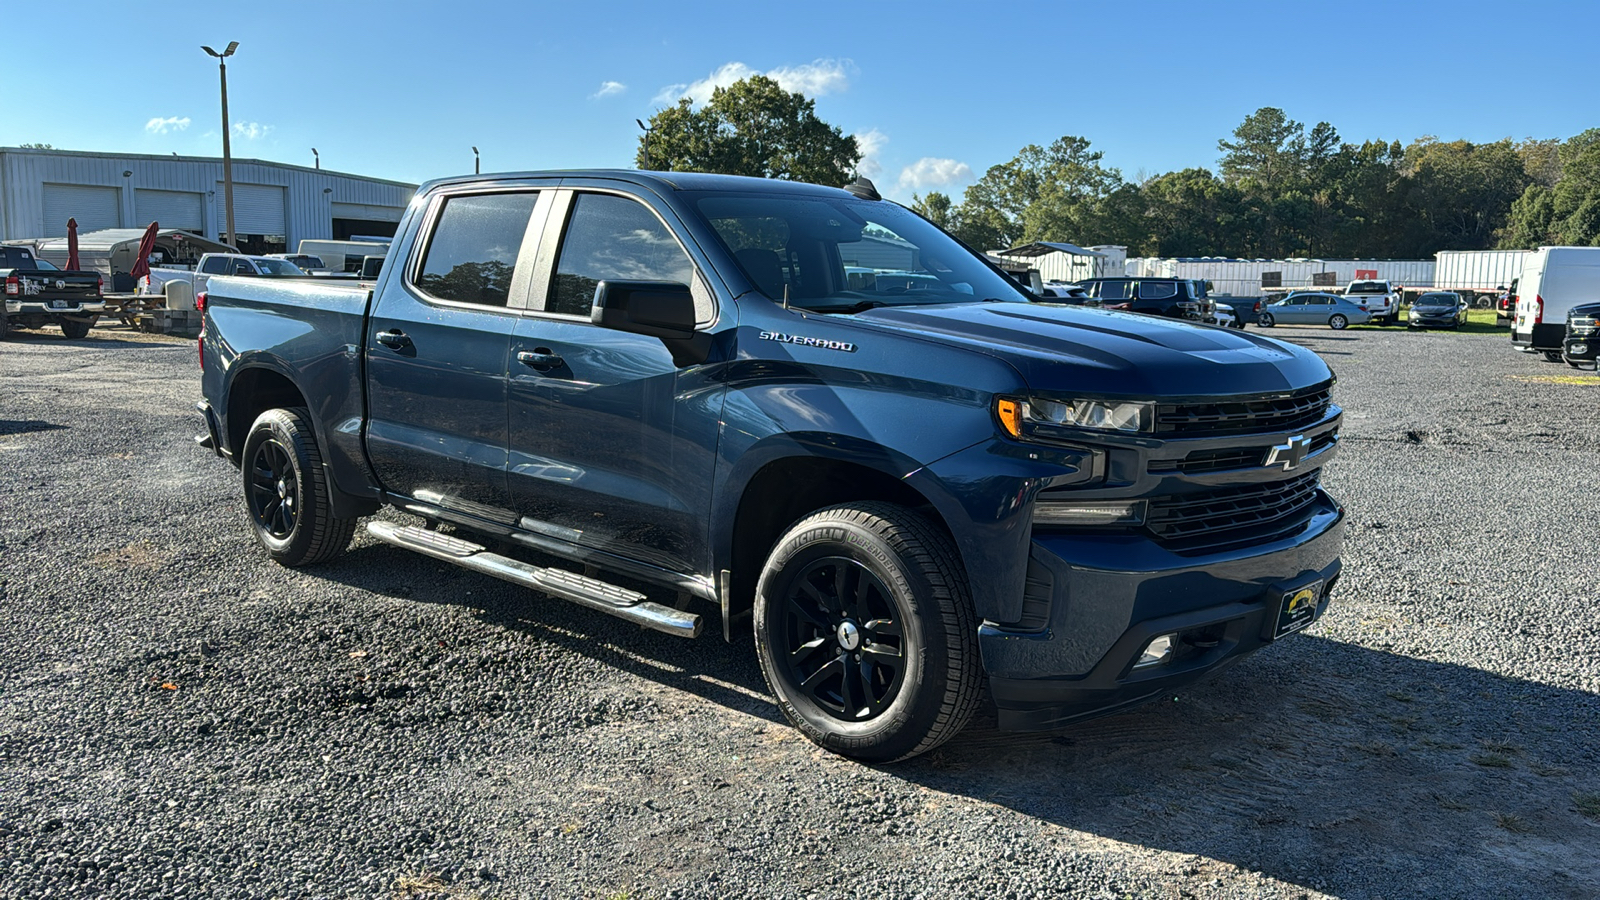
94,208
258,216
173,209
352,220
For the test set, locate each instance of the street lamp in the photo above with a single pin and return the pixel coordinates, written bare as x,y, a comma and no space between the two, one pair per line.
647,131
227,148
317,156
476,167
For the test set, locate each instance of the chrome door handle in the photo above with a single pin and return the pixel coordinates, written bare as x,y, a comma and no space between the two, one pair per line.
394,340
541,359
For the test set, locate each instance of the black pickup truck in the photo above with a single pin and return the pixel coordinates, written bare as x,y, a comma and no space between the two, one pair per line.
38,294
898,486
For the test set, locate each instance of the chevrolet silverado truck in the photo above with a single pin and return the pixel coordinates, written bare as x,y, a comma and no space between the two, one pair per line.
39,294
898,488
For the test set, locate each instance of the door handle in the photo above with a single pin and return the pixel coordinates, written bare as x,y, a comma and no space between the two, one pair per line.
394,340
541,359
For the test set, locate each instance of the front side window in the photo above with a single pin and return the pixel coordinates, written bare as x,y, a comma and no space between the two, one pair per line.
278,267
474,248
611,238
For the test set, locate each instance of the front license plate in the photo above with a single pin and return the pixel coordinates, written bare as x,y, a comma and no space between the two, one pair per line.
1297,609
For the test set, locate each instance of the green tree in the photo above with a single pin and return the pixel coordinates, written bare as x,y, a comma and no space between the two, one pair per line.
1566,213
37,146
752,127
936,208
1459,193
1044,194
1268,148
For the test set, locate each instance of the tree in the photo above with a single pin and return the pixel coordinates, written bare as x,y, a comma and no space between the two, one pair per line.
752,127
1459,193
36,146
1268,147
936,208
1566,213
1045,193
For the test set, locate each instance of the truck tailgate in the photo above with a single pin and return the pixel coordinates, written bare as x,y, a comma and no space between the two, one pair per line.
73,286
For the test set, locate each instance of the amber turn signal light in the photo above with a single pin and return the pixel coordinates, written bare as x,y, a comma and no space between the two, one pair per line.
1009,412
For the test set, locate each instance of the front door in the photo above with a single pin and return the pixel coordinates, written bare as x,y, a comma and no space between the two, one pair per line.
612,444
437,350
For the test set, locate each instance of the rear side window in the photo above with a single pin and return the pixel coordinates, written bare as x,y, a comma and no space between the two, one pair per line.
215,265
1157,290
1114,290
474,248
611,238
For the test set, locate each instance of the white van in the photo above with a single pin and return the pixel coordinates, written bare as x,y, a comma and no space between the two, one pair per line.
1554,279
343,256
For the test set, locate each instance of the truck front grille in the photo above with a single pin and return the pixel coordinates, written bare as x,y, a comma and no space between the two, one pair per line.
1253,512
1243,415
1581,327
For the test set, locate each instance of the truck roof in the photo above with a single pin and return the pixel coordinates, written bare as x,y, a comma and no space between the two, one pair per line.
664,181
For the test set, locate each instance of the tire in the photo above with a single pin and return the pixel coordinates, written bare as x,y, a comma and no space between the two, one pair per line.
1265,320
1337,322
1552,355
842,585
76,329
5,322
286,491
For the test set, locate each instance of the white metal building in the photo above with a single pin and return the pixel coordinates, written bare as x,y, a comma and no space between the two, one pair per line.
1058,261
1251,277
275,205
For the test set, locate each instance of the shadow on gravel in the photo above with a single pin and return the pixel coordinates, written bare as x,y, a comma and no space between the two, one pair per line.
26,426
1323,764
708,667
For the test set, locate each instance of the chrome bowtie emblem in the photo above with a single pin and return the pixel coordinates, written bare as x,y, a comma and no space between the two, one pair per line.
1289,454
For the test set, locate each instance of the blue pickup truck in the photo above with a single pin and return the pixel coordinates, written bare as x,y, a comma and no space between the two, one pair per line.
903,488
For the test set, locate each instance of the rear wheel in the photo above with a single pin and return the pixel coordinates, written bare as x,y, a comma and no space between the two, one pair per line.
1337,322
866,634
1552,355
286,491
76,329
1265,320
5,322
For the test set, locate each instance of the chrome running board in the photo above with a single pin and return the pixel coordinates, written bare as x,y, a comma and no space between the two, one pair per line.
579,589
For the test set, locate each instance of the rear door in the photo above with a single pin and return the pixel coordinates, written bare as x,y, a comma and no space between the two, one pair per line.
612,444
1528,287
437,346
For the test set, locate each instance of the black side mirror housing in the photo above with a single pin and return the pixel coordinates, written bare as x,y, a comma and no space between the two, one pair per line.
661,309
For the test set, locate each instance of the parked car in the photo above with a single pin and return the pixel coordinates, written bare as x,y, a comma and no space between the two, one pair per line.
1064,292
1175,298
902,495
1224,315
39,294
1379,299
1582,342
1554,279
1331,310
1505,307
311,265
1441,309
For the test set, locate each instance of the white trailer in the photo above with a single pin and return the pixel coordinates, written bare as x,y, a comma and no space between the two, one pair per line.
1258,277
1478,275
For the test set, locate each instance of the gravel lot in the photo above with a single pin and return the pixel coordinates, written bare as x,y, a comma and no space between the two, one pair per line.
180,717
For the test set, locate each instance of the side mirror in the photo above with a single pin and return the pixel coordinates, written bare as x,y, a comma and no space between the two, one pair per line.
660,309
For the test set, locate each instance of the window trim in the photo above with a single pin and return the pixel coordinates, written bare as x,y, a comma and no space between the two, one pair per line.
543,278
516,291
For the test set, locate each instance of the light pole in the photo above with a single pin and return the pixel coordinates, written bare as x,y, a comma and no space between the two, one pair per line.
477,168
317,156
227,148
646,143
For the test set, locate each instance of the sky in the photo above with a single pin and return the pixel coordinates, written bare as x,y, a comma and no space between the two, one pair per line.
934,92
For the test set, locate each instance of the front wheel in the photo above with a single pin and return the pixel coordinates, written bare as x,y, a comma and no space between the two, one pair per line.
1552,355
76,329
1265,320
866,634
1337,322
286,491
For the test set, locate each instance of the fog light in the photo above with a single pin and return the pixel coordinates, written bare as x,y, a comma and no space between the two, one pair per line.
1156,652
1054,512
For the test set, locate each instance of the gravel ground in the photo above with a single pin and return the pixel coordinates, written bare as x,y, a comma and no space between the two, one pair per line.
180,717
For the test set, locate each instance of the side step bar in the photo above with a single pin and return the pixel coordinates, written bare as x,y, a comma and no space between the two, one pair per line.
590,592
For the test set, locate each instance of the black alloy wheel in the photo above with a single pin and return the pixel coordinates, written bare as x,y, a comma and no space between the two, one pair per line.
840,632
286,491
274,490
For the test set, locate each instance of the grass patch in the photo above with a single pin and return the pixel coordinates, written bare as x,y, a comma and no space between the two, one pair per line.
1491,760
1511,822
1547,771
1479,321
1587,804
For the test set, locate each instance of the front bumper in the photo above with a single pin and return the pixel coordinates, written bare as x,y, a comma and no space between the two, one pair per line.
1445,320
1109,595
1581,347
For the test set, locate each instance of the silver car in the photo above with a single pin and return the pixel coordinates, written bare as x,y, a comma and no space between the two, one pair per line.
1331,310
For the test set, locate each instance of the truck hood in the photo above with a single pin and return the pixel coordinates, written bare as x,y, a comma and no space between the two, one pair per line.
1096,352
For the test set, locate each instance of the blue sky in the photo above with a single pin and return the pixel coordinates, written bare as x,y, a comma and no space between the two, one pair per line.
937,91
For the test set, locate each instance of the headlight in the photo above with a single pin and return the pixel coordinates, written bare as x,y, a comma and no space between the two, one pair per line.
1019,417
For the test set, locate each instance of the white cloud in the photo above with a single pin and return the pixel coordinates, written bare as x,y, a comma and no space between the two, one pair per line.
931,172
159,125
608,89
870,143
251,130
822,76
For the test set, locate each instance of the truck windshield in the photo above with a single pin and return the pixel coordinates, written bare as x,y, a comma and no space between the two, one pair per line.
843,255
277,267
